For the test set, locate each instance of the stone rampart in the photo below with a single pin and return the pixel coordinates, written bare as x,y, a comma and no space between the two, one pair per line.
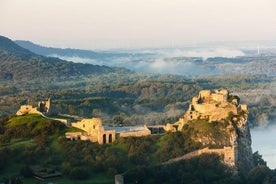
106,136
204,94
95,131
27,109
219,97
229,155
76,136
169,127
204,108
92,125
139,133
43,107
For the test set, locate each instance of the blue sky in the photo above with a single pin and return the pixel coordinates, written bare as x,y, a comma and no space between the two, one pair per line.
102,24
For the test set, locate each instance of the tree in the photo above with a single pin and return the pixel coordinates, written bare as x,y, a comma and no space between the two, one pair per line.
259,174
258,160
80,173
26,171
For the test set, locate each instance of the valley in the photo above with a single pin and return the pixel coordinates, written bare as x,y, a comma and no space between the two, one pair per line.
124,97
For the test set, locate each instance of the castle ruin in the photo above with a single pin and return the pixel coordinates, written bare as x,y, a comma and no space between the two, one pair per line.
208,105
94,131
212,106
43,107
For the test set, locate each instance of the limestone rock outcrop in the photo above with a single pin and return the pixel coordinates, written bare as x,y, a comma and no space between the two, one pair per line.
228,121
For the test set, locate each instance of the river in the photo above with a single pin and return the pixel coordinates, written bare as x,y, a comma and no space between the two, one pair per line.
264,141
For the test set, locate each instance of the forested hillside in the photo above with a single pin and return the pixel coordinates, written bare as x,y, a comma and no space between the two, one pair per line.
19,64
116,94
49,51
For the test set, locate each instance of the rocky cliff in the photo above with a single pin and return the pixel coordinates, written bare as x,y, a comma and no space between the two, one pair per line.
215,119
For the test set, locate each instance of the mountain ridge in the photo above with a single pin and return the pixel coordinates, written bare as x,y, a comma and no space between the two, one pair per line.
17,63
69,52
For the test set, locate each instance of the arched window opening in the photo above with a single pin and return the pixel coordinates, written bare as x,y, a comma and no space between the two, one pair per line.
110,138
104,139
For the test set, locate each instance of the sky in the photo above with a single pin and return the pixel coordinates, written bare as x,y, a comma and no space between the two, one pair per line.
104,24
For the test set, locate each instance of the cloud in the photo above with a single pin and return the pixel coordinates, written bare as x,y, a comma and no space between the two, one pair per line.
170,61
203,52
77,59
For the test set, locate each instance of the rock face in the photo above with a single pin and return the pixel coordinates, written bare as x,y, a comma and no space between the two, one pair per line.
218,120
243,139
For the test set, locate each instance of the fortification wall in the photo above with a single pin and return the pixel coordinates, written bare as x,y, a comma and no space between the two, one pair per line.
221,113
65,121
221,91
170,127
229,155
27,109
205,108
76,136
204,94
95,131
140,133
219,97
213,111
106,136
91,126
243,107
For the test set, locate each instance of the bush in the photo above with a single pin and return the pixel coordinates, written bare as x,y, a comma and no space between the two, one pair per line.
80,173
26,171
259,174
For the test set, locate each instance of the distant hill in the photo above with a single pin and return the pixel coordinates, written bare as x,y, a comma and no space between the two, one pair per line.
68,52
9,46
173,61
17,63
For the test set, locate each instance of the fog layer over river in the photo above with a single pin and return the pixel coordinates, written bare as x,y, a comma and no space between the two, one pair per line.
264,141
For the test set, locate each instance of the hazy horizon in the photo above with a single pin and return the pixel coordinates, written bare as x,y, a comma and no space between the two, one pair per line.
103,24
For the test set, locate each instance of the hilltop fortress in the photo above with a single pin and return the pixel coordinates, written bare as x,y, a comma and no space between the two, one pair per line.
215,106
218,106
212,106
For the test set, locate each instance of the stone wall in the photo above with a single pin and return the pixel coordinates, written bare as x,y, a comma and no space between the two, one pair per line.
27,109
204,108
76,136
170,127
203,94
106,136
43,107
212,106
91,126
95,131
219,97
140,133
229,155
